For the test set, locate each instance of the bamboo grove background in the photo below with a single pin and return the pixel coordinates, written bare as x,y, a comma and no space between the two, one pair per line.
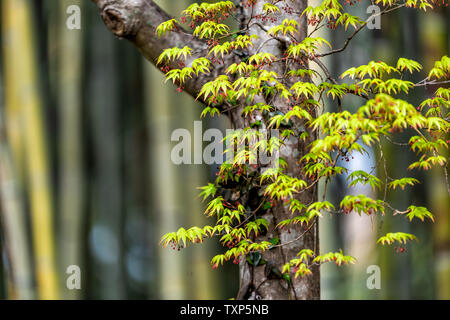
86,177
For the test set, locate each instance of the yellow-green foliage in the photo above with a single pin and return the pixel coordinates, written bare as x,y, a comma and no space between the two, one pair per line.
340,134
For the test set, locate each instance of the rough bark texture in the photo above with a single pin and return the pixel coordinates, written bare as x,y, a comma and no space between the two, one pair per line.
136,20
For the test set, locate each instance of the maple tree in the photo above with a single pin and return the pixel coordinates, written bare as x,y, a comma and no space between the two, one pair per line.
260,63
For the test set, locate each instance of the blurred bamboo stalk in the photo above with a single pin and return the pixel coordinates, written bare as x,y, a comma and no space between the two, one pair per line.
20,277
70,66
185,274
23,100
439,199
105,129
170,282
3,277
440,206
188,178
204,279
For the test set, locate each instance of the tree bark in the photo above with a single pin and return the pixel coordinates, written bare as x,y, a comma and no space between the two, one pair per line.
136,21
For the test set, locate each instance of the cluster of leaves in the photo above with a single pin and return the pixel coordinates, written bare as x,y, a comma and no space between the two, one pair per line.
339,134
301,266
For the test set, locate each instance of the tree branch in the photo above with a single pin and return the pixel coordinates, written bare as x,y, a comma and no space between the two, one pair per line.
137,20
387,10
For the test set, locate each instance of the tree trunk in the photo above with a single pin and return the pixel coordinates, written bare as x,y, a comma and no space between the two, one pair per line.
136,20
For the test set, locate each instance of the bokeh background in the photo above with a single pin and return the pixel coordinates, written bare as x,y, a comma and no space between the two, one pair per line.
86,177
